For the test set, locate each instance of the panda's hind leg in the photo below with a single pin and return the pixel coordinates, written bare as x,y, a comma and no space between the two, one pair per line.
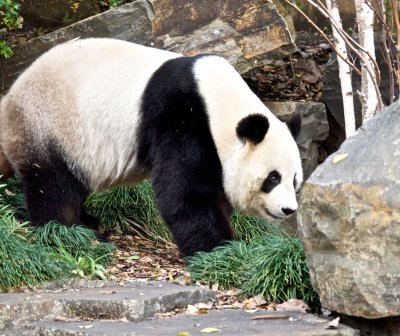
52,191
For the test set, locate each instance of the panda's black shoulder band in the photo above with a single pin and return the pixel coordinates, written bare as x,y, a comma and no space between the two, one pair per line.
253,128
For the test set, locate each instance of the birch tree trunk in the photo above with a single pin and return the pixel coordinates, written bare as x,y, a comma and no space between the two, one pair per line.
344,70
365,22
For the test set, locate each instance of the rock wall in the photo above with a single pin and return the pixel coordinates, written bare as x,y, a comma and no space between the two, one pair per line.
314,129
349,221
245,32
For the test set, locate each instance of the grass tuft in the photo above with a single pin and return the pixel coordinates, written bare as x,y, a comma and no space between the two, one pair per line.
225,265
30,256
12,195
273,265
278,270
22,262
71,238
129,209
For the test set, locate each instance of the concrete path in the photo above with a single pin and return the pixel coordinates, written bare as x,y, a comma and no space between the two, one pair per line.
112,310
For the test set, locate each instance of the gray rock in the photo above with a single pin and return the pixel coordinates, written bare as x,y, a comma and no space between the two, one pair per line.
108,309
349,220
244,32
228,322
315,129
129,22
132,302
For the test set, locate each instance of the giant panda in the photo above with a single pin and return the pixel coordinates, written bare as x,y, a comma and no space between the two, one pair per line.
99,113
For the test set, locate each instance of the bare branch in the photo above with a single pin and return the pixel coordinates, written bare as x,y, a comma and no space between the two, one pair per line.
355,47
352,65
350,41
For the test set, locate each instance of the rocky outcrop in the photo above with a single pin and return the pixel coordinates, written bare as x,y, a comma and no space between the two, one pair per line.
245,32
130,22
349,220
314,130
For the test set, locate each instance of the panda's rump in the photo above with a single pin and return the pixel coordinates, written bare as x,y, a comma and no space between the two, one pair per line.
84,96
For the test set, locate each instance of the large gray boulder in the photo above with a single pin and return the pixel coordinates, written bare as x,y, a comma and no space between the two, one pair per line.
349,221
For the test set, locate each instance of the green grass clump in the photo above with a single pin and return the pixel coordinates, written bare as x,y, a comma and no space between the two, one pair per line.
129,209
12,195
248,228
225,265
76,241
272,264
23,262
279,270
29,256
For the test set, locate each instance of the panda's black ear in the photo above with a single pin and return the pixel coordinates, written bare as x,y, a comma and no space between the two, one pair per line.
294,125
253,128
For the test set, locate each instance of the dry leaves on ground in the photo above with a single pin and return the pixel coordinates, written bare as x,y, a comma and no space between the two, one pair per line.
138,258
298,77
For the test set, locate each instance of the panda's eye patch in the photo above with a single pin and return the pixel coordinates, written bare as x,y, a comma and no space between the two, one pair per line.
272,180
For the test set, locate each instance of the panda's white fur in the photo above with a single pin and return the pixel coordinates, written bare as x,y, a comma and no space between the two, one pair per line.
93,97
245,166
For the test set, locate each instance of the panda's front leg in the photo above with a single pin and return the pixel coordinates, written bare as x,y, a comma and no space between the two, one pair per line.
194,207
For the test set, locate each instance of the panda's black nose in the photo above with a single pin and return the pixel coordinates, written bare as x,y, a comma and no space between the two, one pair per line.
287,211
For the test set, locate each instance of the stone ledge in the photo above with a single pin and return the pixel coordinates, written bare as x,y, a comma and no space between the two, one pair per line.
133,302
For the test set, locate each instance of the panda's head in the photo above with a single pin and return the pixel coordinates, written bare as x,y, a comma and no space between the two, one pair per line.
264,174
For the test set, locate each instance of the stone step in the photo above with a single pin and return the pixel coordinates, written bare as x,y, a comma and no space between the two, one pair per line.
132,302
228,322
97,308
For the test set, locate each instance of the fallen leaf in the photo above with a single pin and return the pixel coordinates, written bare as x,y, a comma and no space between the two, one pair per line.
259,300
238,304
86,326
252,311
339,157
191,309
270,307
109,292
293,305
249,303
146,259
210,330
333,324
232,292
202,305
183,333
134,257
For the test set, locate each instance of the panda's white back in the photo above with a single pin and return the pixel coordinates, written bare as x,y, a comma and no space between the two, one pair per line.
86,94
